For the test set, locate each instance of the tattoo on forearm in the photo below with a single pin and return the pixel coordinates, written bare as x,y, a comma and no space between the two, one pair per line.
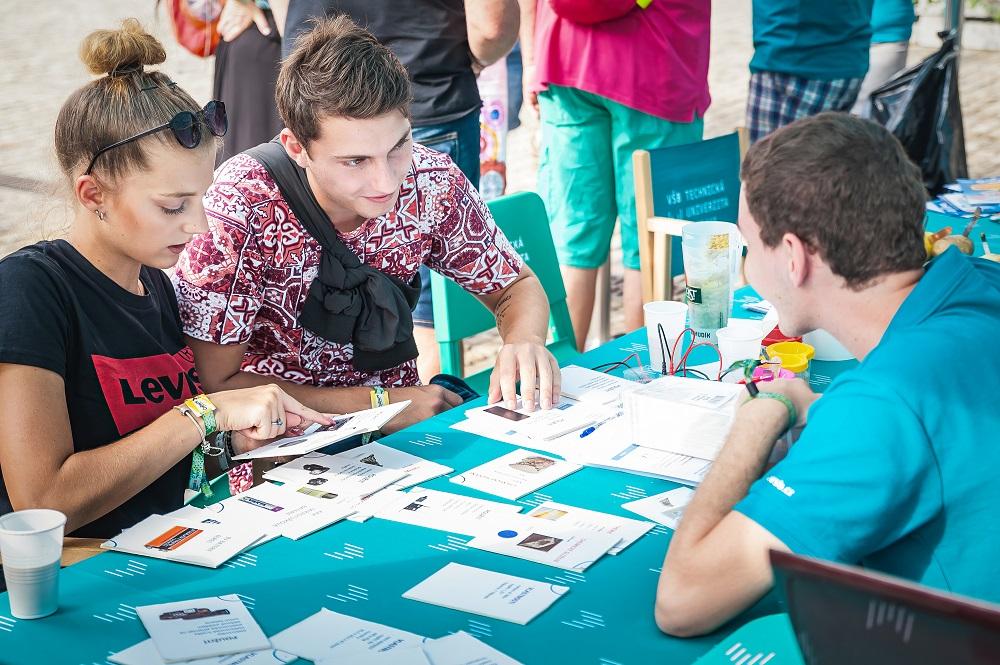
502,307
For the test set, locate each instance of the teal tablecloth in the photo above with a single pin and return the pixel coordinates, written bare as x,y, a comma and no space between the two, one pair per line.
606,618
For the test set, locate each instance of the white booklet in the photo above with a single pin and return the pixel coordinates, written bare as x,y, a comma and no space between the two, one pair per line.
444,511
593,387
463,649
317,436
515,474
145,653
329,635
418,470
665,508
281,510
542,541
487,593
330,474
537,425
202,628
627,530
200,544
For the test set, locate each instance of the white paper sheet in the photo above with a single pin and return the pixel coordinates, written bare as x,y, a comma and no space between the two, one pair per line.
542,541
282,510
202,628
200,544
627,530
145,653
665,508
417,469
328,635
463,649
445,511
515,474
487,593
334,475
317,436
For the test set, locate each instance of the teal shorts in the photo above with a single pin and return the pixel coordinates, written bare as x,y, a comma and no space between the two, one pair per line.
585,170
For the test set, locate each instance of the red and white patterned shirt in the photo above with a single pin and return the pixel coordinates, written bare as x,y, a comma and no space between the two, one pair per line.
244,282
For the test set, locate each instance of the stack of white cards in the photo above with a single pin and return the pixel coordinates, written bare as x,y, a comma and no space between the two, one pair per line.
680,415
214,630
487,593
278,509
515,474
185,541
567,546
665,508
570,517
417,469
317,436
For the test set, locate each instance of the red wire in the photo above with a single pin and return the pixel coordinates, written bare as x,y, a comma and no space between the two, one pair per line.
683,362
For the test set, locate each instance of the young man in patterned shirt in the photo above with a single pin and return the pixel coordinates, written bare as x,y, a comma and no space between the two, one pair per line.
243,287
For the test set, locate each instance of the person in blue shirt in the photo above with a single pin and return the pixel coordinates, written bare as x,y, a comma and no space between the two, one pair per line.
809,56
896,466
892,25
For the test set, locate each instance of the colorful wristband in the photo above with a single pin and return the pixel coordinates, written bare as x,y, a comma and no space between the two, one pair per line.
379,396
793,415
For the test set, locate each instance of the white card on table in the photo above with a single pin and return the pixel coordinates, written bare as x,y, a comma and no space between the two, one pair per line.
463,649
402,656
445,511
145,653
201,628
281,510
487,593
418,470
592,387
330,474
542,541
366,507
515,474
317,436
538,425
329,635
186,541
665,508
627,530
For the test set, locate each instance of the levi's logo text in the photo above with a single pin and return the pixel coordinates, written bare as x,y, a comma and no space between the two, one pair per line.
138,390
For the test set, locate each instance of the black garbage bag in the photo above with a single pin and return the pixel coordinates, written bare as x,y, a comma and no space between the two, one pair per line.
920,106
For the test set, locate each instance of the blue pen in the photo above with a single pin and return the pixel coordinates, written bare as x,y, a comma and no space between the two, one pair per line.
587,432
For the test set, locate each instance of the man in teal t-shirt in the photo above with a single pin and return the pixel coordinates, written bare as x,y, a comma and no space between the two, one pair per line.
809,56
896,467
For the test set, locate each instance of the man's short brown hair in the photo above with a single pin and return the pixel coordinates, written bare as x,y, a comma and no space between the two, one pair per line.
846,188
338,69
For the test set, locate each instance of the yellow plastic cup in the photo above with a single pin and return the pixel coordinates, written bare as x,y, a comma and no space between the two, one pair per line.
794,357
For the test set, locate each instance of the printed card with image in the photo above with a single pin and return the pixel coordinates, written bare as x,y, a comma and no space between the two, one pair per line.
330,474
445,511
626,529
281,510
197,543
202,628
334,637
317,436
145,653
665,508
487,593
515,474
537,425
418,470
542,541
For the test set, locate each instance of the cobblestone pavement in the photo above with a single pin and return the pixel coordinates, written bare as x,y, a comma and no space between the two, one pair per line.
40,67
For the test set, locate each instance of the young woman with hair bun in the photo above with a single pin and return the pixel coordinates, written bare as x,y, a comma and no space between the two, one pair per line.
103,413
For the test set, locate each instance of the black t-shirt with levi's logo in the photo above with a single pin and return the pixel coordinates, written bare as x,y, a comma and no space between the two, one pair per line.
122,358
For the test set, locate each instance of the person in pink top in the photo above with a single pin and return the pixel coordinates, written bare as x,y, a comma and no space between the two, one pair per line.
608,77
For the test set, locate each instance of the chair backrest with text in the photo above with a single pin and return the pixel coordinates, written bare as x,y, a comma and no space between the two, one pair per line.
677,184
458,314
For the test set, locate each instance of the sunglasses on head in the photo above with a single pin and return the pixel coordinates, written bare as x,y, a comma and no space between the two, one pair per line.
186,127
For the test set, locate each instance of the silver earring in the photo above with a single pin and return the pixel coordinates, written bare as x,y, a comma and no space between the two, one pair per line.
100,214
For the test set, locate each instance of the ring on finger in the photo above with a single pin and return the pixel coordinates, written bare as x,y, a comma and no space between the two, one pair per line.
278,422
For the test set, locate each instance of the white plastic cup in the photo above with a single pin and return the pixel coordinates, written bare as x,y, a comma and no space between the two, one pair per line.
739,342
712,253
672,316
31,544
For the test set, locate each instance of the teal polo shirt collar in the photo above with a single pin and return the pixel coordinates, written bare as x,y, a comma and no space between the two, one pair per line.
942,275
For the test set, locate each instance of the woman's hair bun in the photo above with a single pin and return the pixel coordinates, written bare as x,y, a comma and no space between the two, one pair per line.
128,48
